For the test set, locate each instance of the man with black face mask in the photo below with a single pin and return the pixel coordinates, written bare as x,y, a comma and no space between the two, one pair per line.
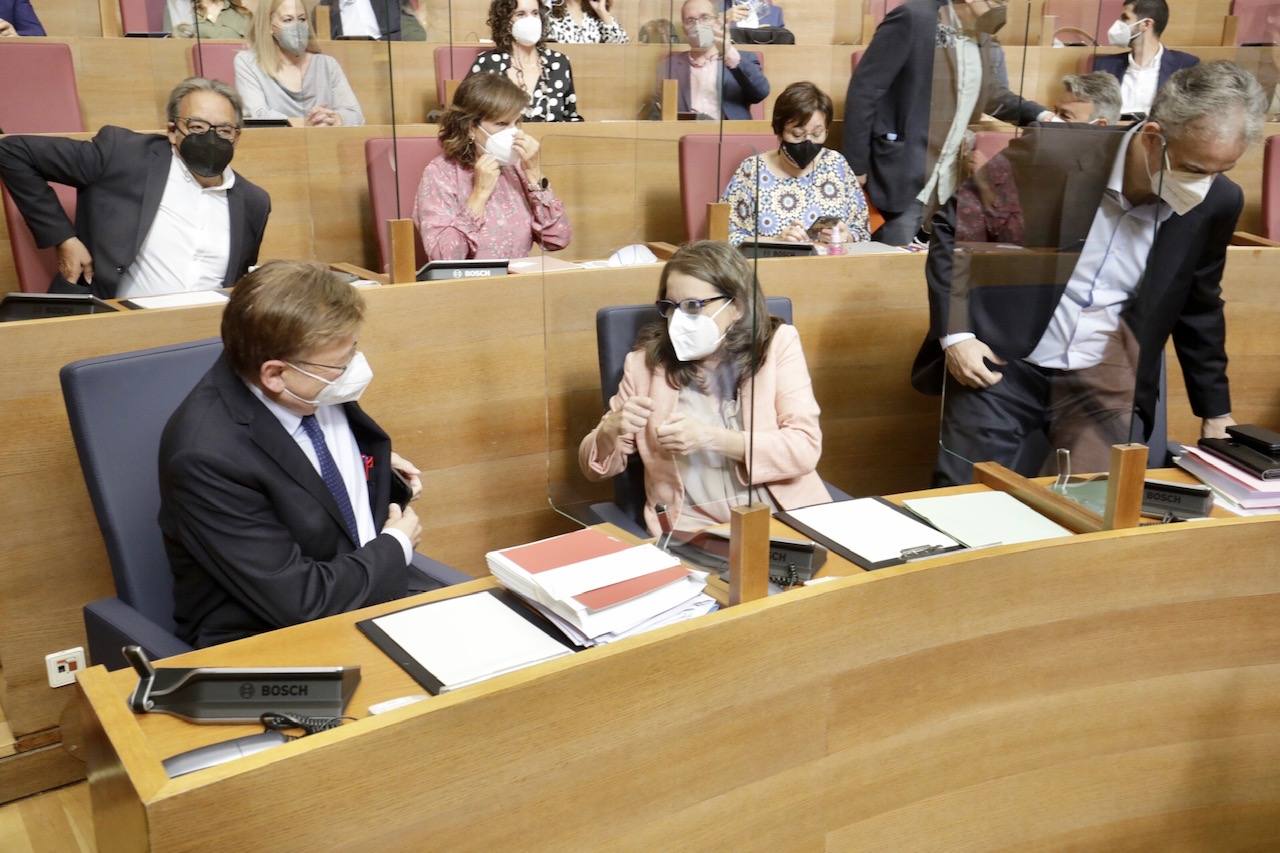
154,213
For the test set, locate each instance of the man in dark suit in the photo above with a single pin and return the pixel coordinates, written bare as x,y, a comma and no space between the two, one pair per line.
154,213
1148,64
1125,239
275,486
17,18
911,98
739,74
384,15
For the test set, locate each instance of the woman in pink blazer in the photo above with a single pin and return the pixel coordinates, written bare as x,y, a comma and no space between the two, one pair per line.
687,400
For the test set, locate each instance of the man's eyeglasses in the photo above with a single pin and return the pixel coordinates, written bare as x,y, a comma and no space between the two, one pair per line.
692,307
705,20
196,127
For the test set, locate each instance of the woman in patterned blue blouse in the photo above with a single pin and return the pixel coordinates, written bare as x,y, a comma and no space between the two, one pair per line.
779,195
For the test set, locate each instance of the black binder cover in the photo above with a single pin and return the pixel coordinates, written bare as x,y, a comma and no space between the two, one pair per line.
855,558
419,672
1257,463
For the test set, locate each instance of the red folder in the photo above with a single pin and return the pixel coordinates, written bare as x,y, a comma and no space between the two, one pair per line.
587,544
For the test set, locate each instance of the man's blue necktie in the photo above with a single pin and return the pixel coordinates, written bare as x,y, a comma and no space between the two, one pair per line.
329,473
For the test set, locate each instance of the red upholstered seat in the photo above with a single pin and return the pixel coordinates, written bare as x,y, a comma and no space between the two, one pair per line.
1271,189
992,142
1252,15
39,88
141,16
36,267
454,63
216,60
385,173
705,169
877,9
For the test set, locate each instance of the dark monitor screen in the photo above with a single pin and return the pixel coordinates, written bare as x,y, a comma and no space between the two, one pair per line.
38,306
775,249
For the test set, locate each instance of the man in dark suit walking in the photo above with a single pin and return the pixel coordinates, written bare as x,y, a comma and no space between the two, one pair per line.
1148,64
1125,239
930,70
154,213
275,486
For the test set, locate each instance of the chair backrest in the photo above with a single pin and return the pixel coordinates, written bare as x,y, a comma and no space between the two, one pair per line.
39,88
36,267
616,330
1252,25
385,174
216,60
118,406
699,155
1095,17
1271,189
141,16
453,62
992,142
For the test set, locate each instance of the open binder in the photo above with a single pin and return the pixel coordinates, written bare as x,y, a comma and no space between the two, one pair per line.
870,532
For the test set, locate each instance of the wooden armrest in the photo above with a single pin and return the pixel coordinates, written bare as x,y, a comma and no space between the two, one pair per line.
359,272
662,250
1244,238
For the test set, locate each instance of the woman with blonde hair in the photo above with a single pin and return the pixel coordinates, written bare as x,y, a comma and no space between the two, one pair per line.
284,74
485,196
716,399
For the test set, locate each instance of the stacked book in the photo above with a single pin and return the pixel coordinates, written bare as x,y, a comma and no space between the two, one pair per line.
597,589
1236,488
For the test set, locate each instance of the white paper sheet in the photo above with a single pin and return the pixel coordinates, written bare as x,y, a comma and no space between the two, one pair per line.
180,300
870,529
468,639
986,518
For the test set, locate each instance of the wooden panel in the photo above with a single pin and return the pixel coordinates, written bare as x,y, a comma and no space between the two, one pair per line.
58,820
39,770
974,700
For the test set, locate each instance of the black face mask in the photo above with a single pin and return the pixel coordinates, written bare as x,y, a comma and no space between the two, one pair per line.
992,21
206,154
801,153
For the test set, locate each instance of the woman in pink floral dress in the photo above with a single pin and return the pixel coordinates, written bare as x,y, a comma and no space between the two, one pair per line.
486,196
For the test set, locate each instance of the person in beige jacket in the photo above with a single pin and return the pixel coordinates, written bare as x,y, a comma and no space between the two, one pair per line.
700,380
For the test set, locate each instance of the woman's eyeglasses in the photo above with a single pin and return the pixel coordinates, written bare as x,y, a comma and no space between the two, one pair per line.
692,307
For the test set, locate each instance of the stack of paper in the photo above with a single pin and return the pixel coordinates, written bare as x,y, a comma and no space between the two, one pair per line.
597,589
1236,489
979,519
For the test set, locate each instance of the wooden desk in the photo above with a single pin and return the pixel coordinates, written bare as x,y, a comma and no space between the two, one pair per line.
462,386
1118,688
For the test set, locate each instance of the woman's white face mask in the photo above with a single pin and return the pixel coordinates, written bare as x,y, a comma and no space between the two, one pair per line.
695,336
501,145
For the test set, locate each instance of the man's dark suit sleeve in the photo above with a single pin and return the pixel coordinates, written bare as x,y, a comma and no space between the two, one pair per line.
25,21
257,225
750,77
1200,335
229,527
29,163
875,73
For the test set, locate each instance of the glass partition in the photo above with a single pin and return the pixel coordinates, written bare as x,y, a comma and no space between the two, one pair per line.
1032,271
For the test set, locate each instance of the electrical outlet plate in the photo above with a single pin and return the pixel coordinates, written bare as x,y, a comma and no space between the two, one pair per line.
63,666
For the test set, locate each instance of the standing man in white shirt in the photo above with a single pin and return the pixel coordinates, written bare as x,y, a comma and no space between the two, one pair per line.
1126,233
154,213
1148,64
375,19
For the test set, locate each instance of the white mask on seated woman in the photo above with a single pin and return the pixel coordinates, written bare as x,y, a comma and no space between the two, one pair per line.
697,336
501,145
